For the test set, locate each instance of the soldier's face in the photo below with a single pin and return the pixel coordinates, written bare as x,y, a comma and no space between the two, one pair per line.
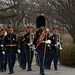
3,32
42,27
29,30
55,31
21,33
10,31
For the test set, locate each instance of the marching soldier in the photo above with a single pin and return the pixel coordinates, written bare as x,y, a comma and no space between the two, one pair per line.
11,48
39,37
54,47
21,49
1,56
28,46
3,61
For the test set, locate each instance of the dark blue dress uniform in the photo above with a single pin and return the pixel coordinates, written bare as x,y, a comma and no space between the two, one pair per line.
40,51
22,54
40,23
29,51
1,55
11,50
54,50
3,59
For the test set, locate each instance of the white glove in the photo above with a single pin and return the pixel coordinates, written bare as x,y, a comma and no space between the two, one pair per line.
1,45
57,44
48,42
34,47
3,52
48,45
19,51
28,44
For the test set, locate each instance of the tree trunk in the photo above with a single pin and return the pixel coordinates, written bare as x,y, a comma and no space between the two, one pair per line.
72,33
73,36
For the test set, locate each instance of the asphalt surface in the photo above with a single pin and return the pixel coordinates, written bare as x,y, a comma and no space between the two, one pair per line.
62,70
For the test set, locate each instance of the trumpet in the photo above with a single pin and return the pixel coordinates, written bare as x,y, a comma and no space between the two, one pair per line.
58,43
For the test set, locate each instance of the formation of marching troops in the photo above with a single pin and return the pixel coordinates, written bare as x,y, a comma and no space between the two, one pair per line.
46,43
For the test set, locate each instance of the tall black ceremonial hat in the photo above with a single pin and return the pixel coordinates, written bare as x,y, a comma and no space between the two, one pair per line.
40,21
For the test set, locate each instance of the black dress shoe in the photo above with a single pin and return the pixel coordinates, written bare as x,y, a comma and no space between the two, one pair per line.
4,69
43,74
23,68
47,68
56,69
10,72
29,70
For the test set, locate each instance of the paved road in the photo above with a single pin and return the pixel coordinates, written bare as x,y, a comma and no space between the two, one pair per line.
62,70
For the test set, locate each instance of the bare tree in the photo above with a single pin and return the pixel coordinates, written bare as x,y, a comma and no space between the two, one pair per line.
57,12
65,13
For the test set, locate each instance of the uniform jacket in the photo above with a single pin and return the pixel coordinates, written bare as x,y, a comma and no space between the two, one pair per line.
21,43
27,40
54,39
10,43
37,35
1,43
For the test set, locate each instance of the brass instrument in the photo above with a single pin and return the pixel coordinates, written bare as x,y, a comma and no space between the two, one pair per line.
31,41
60,47
48,35
58,42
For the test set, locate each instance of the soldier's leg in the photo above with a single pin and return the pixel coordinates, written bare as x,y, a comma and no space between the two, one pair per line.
9,59
19,60
41,60
47,60
1,62
50,59
32,54
5,62
23,61
55,58
28,55
13,60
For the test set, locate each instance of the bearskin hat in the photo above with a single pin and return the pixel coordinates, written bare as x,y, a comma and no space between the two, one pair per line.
40,21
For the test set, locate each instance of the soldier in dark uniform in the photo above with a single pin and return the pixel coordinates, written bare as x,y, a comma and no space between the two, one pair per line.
1,55
54,47
21,49
28,45
40,23
11,48
2,51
